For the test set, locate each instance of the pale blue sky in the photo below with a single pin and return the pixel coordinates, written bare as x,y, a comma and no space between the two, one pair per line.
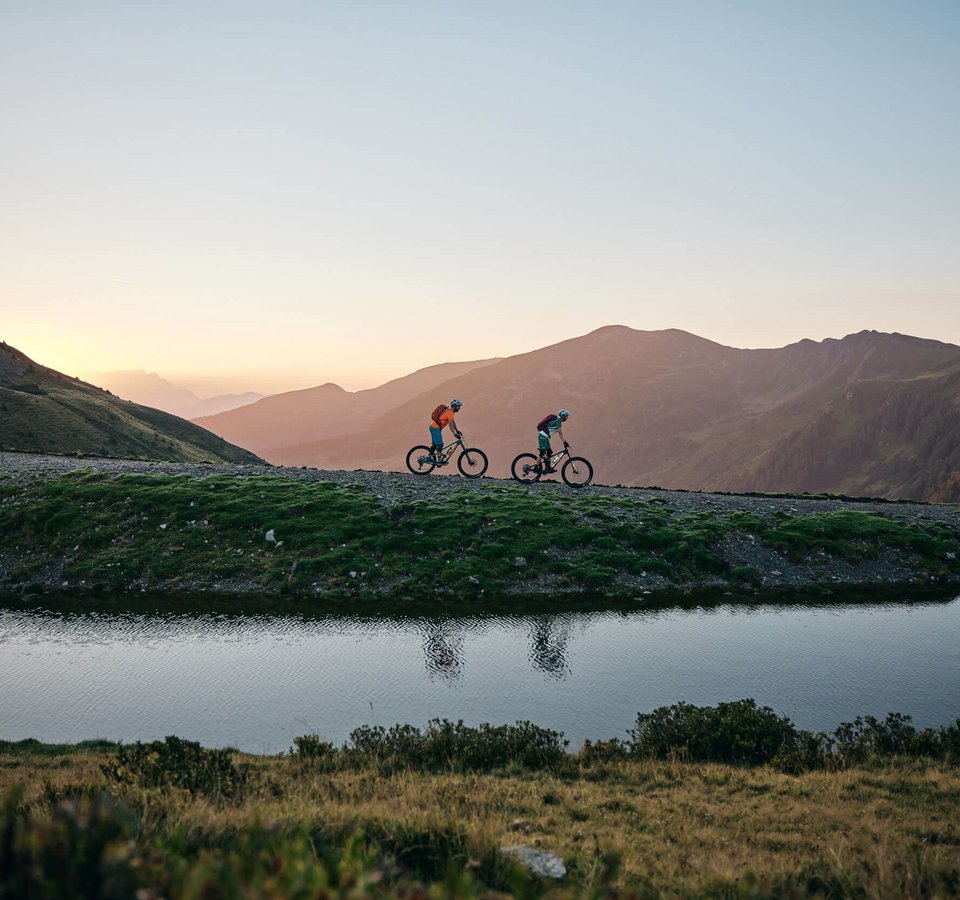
289,193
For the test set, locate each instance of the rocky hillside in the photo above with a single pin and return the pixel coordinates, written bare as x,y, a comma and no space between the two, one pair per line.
44,411
871,414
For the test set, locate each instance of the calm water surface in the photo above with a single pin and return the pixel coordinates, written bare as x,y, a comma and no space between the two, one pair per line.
255,682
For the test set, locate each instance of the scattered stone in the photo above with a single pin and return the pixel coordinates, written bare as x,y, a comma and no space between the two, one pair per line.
271,537
473,579
519,561
540,862
163,526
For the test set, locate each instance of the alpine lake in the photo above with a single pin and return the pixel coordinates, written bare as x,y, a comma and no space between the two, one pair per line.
254,680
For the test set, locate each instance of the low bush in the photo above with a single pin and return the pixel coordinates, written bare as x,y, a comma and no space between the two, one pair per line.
443,747
742,732
867,738
736,732
174,762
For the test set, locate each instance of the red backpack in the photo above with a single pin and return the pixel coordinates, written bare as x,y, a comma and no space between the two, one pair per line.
543,423
435,415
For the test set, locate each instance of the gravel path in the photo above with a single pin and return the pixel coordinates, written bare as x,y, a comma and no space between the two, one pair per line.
393,486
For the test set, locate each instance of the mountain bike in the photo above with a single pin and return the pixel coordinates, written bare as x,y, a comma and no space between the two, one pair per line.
472,462
577,472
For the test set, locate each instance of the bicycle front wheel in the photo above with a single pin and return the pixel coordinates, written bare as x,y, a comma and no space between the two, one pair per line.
577,472
420,461
472,463
525,469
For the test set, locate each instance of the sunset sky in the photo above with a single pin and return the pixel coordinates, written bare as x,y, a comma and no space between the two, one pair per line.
274,195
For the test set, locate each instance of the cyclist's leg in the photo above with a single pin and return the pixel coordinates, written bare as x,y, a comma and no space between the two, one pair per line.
436,438
543,442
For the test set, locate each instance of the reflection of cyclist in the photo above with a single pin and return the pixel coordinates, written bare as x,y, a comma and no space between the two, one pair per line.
552,424
441,418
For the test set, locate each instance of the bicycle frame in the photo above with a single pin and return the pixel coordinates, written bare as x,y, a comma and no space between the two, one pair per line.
557,457
449,448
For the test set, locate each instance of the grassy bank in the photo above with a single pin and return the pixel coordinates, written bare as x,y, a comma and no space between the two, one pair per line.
142,532
396,812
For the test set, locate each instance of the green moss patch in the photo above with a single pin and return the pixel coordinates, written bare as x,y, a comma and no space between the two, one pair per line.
176,532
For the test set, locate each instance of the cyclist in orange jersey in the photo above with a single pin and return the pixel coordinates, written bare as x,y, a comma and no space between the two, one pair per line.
443,417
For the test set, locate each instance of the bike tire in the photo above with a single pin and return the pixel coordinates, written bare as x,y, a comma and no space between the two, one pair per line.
516,468
472,462
577,472
419,460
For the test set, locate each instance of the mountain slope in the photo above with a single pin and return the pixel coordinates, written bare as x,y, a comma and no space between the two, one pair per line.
869,414
42,410
149,389
276,424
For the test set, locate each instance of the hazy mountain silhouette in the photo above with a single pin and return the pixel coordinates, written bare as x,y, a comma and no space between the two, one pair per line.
149,389
872,413
44,411
296,417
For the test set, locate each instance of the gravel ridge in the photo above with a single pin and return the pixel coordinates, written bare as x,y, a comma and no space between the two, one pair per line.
776,571
393,486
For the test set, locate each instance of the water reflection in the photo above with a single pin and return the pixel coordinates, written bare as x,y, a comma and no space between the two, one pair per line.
548,644
258,681
443,648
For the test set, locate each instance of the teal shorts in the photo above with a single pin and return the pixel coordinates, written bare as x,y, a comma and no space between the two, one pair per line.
544,441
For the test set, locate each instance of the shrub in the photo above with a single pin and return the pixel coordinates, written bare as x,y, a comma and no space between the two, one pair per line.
311,748
867,738
444,746
735,732
174,762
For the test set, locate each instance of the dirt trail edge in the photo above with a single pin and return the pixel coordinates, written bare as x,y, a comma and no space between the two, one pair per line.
85,526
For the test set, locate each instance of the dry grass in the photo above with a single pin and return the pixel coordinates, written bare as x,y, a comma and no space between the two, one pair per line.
677,827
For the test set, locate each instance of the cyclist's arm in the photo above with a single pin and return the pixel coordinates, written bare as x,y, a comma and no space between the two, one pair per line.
560,435
453,426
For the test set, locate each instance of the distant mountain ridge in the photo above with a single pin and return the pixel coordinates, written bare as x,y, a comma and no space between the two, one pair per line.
871,413
297,417
45,411
149,389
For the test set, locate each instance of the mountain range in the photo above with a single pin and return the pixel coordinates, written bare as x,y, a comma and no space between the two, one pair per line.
871,413
45,411
149,389
276,426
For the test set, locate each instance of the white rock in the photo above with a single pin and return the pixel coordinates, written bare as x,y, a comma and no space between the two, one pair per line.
270,537
473,579
163,526
951,555
519,561
353,574
540,862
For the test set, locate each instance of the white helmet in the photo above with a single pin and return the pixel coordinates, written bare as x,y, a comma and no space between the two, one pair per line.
456,404
564,413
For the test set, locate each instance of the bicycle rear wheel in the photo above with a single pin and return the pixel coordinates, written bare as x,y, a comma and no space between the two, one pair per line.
420,461
524,468
472,462
577,472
